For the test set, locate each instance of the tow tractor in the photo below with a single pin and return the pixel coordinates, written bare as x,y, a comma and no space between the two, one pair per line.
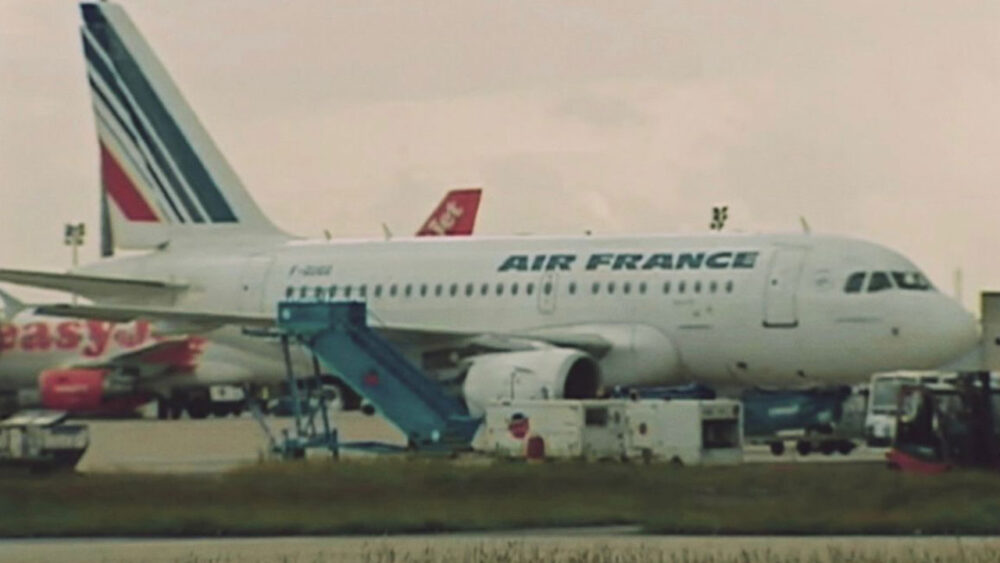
947,424
41,441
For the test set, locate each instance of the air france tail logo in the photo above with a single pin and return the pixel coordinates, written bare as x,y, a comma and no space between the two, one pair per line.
444,222
631,261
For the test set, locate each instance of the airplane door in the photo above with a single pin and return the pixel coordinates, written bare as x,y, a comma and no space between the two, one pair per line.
253,283
780,303
548,288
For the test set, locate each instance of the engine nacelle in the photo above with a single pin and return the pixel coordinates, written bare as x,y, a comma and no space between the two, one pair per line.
550,373
72,389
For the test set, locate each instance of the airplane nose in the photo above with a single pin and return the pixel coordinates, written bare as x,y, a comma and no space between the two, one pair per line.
955,330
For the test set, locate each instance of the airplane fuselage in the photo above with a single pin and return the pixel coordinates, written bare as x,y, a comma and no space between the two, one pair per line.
727,310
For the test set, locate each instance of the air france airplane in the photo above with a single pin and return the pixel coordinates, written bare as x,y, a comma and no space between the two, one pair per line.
532,316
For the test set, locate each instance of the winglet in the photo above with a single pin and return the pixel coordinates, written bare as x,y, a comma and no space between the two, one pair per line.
11,305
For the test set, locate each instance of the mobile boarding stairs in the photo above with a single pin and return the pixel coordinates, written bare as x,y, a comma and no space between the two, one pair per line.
341,342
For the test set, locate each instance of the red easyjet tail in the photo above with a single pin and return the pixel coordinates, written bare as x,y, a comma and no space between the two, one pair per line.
455,216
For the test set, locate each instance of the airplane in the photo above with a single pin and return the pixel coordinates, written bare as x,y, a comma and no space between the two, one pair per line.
98,368
531,317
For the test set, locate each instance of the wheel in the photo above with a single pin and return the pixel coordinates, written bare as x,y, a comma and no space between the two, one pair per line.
827,448
198,409
162,409
845,447
803,447
777,448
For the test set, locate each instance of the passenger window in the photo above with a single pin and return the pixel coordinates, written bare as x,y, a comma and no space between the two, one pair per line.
611,288
392,290
303,292
408,290
378,291
484,290
713,286
879,281
499,289
529,288
319,293
854,282
513,288
547,288
627,288
363,291
596,288
642,288
729,286
289,292
681,286
469,289
332,291
697,286
423,290
453,289
572,288
347,291
437,290
666,287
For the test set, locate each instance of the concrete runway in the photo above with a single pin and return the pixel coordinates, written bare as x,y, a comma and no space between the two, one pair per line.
593,545
213,445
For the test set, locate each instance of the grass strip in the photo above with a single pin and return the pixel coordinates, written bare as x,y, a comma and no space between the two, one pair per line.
397,496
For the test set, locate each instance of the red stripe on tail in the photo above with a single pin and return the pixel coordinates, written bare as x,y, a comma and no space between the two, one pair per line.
121,189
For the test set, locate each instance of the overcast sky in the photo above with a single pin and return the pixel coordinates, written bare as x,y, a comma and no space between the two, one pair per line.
873,119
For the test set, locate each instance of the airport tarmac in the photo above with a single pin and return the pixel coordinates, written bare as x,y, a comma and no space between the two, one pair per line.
218,444
593,545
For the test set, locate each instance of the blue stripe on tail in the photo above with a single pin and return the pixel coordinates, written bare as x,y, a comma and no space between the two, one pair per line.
191,167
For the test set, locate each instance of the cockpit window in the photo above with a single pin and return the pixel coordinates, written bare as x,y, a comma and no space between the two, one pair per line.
912,281
879,281
855,282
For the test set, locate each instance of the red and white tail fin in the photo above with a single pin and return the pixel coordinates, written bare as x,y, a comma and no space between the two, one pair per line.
455,215
163,177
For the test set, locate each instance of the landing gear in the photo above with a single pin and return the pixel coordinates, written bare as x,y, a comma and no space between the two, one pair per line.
168,408
777,448
199,408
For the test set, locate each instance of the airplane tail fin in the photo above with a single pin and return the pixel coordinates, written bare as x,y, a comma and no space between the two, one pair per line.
162,176
11,305
455,215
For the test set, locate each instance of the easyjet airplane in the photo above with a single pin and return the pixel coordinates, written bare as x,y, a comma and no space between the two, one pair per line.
540,316
95,367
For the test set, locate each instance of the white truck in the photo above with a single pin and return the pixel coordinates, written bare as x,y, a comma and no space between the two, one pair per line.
686,432
41,440
562,429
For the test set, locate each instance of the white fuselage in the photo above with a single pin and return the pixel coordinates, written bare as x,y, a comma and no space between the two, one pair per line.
722,309
31,344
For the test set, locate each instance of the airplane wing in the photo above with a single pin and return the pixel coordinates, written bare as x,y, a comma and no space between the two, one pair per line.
170,354
92,287
179,321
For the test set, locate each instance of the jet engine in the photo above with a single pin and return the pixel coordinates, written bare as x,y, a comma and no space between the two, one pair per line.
550,373
72,389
